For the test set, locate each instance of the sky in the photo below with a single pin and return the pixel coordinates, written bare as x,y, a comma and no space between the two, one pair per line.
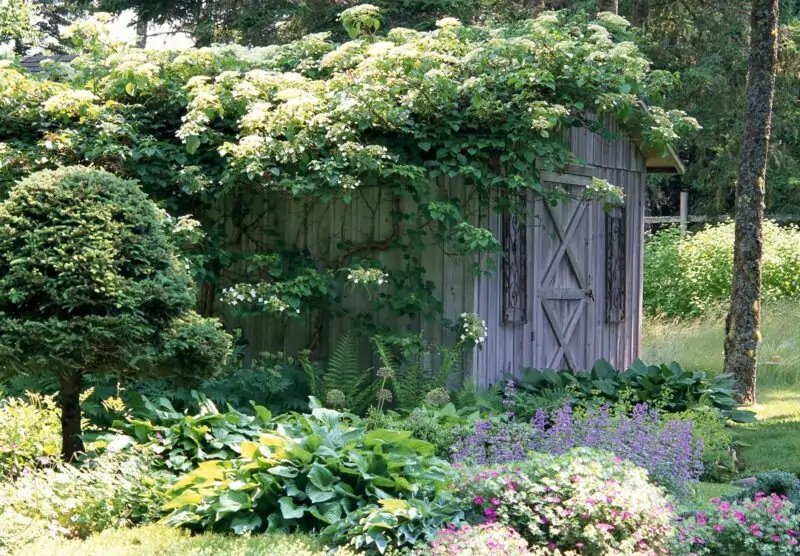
122,28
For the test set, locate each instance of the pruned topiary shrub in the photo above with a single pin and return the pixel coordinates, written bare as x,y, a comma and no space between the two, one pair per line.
91,282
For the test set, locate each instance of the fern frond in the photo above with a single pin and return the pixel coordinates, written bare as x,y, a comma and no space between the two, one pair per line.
451,359
490,399
384,354
411,386
342,372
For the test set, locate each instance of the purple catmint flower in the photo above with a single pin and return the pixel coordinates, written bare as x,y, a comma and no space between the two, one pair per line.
667,450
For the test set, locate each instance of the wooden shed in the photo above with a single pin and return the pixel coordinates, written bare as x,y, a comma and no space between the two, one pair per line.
569,290
566,292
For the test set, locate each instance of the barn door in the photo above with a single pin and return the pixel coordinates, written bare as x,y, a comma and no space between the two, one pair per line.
563,298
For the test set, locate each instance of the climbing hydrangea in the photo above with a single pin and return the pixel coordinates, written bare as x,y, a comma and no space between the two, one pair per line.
399,121
472,329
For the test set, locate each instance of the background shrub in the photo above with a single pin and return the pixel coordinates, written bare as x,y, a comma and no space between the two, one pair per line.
782,483
709,429
692,277
113,490
587,501
30,433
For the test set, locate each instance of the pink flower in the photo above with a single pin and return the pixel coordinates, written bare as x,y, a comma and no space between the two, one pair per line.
715,500
478,500
496,501
740,516
776,538
717,527
490,513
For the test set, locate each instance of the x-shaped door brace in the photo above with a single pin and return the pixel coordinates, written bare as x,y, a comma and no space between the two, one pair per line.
565,247
563,334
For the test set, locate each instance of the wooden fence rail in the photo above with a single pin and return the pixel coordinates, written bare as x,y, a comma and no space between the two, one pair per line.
684,219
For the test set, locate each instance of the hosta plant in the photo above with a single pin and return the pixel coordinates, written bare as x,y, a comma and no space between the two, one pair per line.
667,387
182,441
309,473
586,501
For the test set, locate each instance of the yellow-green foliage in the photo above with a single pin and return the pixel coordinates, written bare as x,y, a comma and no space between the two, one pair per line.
692,276
113,490
159,540
30,433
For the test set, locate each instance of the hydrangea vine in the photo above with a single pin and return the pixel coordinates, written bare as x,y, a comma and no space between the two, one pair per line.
436,124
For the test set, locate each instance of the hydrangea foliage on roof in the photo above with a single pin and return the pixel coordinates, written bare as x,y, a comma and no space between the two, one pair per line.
320,121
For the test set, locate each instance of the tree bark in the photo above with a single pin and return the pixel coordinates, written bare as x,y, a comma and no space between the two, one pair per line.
70,394
141,31
608,6
742,325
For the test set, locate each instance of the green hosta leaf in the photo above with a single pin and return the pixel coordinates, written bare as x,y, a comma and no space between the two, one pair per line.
245,524
262,412
232,501
378,536
317,495
552,377
289,510
328,512
321,477
283,471
741,416
604,369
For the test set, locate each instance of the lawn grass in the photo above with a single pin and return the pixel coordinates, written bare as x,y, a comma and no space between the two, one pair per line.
698,344
773,442
160,540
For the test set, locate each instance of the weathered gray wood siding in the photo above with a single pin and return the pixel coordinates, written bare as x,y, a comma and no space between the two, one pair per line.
534,343
326,232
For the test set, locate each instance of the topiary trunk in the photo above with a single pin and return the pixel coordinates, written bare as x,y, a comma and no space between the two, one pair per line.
742,326
70,395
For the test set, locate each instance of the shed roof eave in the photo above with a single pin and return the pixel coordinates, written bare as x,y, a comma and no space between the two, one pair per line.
663,163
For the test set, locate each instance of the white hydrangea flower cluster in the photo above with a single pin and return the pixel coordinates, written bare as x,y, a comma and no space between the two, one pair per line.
367,276
71,103
472,328
448,22
244,294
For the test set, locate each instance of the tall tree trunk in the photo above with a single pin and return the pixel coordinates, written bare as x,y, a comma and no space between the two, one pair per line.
608,6
70,395
742,326
141,31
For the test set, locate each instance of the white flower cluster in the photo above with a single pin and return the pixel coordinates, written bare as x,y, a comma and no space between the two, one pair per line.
71,102
448,22
246,294
473,329
367,276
